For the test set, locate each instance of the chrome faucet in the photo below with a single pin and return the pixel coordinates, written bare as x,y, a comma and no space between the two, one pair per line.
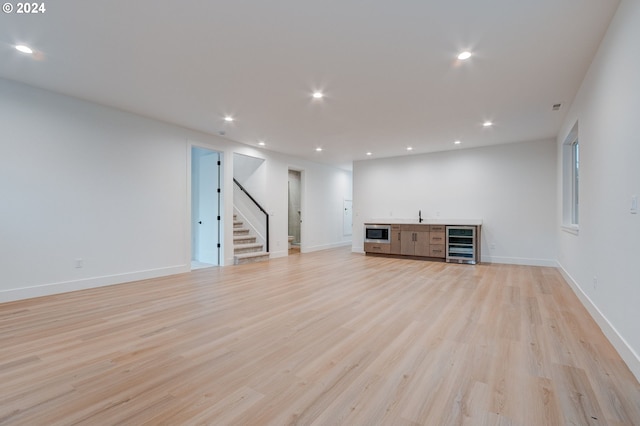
419,216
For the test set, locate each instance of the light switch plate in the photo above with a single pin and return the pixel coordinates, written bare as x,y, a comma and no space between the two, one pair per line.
634,204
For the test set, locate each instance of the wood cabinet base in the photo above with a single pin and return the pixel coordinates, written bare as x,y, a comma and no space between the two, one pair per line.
404,256
424,242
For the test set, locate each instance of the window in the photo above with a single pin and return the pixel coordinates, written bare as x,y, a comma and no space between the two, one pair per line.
571,181
575,181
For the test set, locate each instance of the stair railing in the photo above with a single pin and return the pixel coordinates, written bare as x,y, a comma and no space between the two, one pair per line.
266,215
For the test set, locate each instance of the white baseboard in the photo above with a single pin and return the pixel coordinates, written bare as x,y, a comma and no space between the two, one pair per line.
626,352
305,249
496,259
309,249
279,253
519,261
84,284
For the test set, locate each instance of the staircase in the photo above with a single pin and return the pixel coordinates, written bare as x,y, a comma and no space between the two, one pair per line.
245,247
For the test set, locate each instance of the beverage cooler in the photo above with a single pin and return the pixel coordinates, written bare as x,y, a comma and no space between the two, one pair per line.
462,244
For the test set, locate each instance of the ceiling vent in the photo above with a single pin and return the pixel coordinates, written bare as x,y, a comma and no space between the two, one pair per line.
556,107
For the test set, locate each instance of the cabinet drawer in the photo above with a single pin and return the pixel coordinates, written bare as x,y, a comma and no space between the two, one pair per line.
436,238
437,250
377,248
438,228
415,228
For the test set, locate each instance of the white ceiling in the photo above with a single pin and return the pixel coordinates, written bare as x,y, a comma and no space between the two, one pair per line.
388,68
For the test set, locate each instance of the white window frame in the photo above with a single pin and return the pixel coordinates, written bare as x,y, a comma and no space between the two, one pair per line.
571,182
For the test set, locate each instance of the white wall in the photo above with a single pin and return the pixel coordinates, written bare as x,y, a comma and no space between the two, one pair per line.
608,244
83,181
322,225
80,180
510,187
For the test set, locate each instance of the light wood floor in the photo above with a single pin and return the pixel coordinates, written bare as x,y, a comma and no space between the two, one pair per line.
325,338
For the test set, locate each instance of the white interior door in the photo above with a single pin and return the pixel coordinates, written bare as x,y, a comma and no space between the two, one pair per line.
205,206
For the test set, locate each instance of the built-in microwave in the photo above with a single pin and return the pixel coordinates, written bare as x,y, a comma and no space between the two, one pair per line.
377,234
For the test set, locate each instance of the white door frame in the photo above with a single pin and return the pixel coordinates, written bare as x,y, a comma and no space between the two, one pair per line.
190,227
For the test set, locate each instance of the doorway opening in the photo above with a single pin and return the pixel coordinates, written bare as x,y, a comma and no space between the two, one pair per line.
205,208
295,211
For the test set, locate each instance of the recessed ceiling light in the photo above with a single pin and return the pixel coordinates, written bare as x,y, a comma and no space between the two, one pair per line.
457,142
228,118
318,95
369,153
409,148
487,124
261,143
318,149
24,49
464,55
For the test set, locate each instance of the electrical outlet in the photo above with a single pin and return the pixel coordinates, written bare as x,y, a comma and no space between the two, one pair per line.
492,246
634,204
79,263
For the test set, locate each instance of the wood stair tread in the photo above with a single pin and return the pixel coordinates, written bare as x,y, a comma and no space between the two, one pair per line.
247,245
256,256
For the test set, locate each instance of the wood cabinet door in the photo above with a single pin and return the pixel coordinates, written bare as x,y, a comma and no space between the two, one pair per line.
396,240
407,244
422,244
